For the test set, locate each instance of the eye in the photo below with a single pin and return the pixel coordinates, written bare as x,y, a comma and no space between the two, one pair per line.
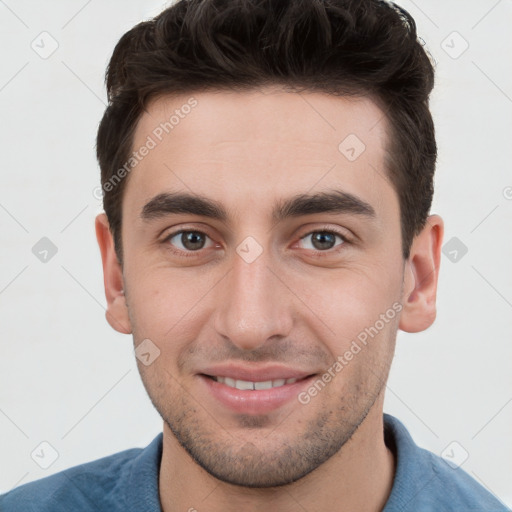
190,240
323,240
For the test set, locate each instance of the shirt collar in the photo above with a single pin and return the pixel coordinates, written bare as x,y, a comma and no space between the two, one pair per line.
412,471
142,492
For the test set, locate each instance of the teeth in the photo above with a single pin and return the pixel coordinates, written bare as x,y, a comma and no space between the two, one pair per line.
263,385
245,384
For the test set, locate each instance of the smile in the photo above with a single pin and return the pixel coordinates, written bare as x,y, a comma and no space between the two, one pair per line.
250,385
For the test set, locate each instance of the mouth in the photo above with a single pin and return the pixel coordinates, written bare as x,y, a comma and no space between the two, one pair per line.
257,396
247,385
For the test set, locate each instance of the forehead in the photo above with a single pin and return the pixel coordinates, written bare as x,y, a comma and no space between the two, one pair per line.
250,147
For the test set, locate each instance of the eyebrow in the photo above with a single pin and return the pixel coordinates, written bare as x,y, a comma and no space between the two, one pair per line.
332,201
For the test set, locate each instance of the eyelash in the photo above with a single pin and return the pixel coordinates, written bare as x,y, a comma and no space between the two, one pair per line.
317,252
179,252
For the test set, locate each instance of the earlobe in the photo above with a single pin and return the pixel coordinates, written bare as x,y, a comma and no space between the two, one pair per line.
117,311
421,273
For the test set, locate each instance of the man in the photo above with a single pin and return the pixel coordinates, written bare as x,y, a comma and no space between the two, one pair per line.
267,172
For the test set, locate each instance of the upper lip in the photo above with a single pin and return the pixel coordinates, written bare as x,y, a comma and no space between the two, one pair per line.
255,373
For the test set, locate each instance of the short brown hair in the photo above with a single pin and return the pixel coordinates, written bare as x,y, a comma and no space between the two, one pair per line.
340,47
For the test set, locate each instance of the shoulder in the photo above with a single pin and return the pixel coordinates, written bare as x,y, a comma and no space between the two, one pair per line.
426,482
454,486
97,485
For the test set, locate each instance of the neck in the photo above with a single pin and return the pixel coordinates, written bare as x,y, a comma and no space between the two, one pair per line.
359,477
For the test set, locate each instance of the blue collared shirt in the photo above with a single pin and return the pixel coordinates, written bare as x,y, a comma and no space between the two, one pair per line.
128,482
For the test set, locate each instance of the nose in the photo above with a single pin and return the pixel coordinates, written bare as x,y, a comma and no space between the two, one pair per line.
253,305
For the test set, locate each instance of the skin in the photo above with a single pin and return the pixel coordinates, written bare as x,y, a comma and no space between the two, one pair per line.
295,304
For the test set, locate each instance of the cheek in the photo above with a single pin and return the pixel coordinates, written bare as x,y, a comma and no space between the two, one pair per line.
361,309
157,302
168,307
350,300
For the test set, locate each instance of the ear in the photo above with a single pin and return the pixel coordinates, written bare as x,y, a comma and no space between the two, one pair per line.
117,311
420,277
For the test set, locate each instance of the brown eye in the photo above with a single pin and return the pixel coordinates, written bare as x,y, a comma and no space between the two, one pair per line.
189,240
323,240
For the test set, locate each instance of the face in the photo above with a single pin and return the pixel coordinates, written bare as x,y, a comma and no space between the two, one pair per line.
284,259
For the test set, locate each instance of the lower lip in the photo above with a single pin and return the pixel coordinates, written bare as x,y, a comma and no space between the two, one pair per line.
259,401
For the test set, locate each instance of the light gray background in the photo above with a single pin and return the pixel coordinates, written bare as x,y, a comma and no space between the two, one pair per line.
68,379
